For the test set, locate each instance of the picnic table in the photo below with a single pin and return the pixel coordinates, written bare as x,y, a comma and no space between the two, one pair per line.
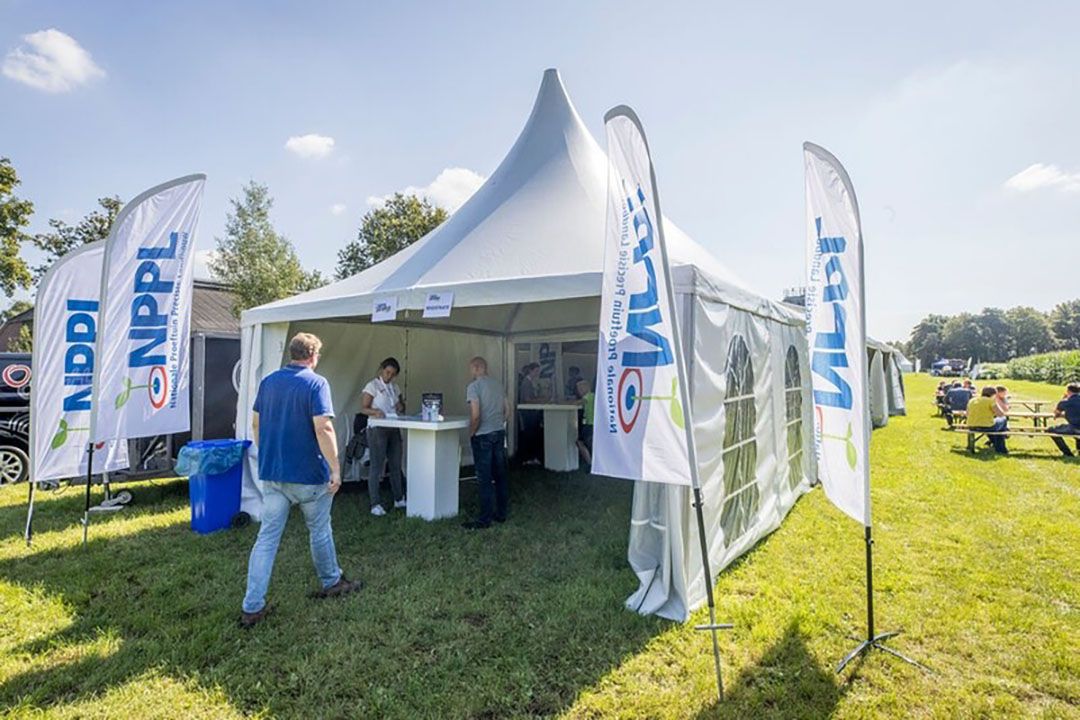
1035,406
1038,419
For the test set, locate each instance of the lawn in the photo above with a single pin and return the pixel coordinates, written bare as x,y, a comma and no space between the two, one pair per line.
976,561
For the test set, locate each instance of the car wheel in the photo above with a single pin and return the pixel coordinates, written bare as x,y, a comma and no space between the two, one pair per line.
14,464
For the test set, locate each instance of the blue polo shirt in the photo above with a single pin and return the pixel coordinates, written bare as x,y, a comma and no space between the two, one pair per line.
1070,407
287,401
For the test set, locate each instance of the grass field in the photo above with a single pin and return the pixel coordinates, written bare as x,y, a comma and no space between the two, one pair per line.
976,561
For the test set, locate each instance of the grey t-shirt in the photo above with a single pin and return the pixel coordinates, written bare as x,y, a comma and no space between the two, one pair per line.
492,400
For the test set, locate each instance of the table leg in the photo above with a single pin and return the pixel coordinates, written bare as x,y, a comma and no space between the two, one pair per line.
434,463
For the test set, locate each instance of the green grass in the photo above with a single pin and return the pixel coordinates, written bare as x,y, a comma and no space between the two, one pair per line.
976,561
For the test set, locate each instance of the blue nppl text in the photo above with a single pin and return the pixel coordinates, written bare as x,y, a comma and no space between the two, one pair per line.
147,324
830,348
79,335
644,305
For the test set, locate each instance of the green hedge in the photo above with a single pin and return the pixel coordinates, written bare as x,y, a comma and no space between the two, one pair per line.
1056,367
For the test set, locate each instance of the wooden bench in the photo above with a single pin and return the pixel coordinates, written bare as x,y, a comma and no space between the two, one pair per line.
974,435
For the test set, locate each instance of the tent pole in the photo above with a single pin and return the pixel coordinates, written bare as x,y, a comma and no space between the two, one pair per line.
873,641
89,477
712,626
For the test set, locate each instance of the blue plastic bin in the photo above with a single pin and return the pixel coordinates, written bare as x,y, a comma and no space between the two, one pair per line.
215,473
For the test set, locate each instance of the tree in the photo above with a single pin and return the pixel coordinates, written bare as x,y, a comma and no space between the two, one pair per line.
386,230
1031,331
925,344
14,216
1065,321
257,263
995,331
14,309
64,238
24,342
962,337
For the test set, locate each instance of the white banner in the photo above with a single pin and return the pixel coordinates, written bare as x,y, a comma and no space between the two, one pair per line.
438,305
641,401
384,309
142,373
836,333
65,330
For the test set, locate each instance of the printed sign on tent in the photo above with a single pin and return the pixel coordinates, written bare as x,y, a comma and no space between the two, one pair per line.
836,333
143,364
640,431
65,330
438,304
384,309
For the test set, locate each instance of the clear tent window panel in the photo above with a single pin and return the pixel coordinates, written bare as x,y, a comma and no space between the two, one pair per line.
741,493
793,405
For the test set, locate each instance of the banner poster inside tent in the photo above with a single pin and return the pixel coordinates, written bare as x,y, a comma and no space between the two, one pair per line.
836,333
640,428
548,355
143,362
65,330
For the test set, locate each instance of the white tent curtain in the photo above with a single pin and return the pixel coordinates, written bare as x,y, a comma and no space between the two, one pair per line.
895,380
879,395
738,367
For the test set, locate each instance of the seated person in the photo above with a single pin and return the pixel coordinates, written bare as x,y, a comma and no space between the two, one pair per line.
585,421
1068,408
1002,400
982,414
956,400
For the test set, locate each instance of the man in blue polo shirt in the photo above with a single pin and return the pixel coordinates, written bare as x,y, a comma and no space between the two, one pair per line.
1068,408
298,464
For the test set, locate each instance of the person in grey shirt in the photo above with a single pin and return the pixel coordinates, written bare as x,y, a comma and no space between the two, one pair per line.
488,410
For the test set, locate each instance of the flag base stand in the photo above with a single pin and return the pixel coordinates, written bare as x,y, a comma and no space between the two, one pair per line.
872,641
875,643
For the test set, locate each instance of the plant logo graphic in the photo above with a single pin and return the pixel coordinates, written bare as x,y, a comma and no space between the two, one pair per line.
851,451
157,387
631,400
64,433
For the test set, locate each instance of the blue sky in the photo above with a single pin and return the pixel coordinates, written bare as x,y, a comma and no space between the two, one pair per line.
957,121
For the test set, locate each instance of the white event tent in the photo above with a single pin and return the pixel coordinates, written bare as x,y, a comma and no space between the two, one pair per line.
523,260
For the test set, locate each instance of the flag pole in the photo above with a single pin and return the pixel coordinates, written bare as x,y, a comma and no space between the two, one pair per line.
29,533
684,399
89,477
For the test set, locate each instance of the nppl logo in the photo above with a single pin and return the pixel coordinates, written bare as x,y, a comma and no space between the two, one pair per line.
830,351
80,333
155,334
641,314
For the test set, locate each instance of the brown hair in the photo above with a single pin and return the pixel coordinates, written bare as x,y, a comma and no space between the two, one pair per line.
304,346
989,391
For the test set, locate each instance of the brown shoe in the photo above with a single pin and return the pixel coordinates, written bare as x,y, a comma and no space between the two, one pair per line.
342,587
250,620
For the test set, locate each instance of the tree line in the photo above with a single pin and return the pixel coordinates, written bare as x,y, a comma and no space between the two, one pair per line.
258,263
995,335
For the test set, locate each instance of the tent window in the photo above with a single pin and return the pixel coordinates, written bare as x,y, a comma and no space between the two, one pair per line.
741,493
793,404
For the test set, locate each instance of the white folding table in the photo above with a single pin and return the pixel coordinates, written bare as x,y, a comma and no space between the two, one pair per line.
560,434
433,461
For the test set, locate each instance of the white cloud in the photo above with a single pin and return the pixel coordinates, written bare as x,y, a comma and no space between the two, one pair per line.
338,208
51,61
449,190
310,145
1041,177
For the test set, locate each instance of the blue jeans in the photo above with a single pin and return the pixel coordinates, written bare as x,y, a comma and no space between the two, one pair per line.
315,502
489,456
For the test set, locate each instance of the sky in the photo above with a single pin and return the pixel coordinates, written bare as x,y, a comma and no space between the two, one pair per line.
956,121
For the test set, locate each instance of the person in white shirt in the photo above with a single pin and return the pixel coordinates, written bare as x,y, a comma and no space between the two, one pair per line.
382,398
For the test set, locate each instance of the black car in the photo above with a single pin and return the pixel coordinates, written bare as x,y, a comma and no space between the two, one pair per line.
15,374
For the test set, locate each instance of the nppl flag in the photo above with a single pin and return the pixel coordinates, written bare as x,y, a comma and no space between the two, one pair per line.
836,333
142,373
641,427
65,331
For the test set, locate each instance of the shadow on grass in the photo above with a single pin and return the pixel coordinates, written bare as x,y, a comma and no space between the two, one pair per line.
788,682
985,454
513,621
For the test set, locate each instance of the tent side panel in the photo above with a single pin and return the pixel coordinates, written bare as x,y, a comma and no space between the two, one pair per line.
738,428
262,348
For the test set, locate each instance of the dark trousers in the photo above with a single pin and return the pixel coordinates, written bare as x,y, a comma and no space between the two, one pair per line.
531,436
1060,442
998,441
489,456
384,445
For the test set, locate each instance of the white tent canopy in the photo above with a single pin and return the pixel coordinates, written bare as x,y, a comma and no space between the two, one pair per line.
523,259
